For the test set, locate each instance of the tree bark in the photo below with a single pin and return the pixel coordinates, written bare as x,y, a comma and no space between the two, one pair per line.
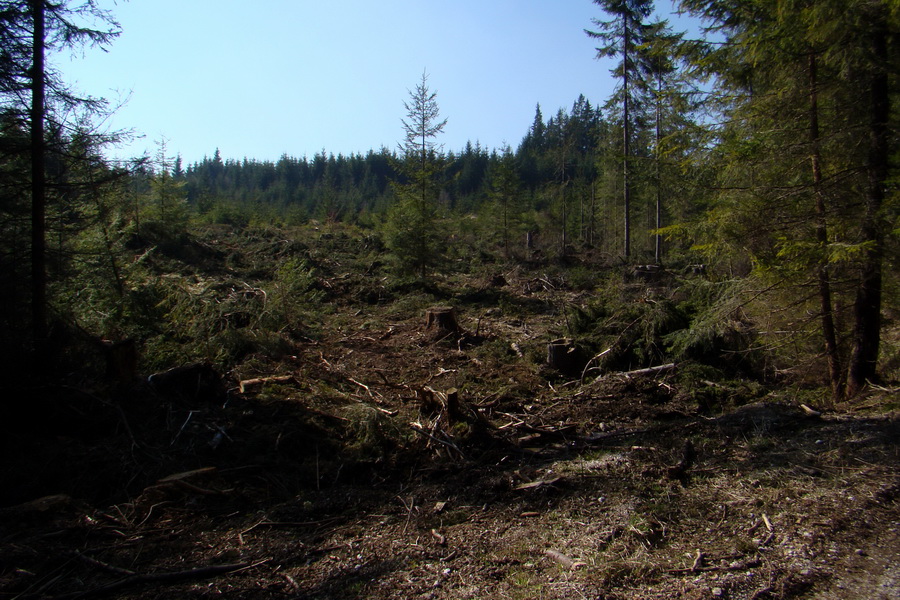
824,281
562,355
626,191
867,307
657,246
38,182
442,321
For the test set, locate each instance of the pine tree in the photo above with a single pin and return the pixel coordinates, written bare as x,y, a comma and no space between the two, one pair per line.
29,31
412,220
623,35
798,148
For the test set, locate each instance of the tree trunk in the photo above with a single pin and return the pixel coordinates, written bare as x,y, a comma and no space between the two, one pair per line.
867,308
38,183
626,192
657,246
824,282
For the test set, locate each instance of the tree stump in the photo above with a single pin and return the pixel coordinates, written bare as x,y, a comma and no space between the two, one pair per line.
441,321
562,355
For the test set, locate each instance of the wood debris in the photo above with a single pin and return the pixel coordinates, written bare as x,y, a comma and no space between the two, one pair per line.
564,560
249,386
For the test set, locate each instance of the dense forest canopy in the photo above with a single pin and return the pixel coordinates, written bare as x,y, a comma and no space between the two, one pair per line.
768,154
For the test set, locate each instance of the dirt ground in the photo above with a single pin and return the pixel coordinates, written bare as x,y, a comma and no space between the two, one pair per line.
387,460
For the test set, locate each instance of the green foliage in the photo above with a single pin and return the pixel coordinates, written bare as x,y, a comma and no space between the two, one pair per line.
411,230
411,233
631,331
295,296
717,321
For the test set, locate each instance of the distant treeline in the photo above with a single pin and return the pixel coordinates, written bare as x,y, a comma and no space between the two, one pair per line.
344,187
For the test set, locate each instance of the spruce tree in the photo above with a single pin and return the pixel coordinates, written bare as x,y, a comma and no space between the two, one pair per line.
412,233
806,105
624,35
31,89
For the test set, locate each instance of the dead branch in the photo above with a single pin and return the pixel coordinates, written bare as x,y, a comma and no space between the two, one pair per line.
418,427
254,385
164,578
104,566
587,367
187,474
742,566
288,524
649,370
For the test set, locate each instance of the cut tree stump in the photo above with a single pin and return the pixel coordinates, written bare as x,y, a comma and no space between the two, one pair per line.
562,355
441,321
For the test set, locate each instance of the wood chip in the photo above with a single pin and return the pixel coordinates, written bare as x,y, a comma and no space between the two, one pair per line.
440,539
810,411
564,560
533,485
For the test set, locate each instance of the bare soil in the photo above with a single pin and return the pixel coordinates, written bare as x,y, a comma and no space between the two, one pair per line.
356,475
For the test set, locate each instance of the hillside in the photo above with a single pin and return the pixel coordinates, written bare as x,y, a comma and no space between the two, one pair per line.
353,451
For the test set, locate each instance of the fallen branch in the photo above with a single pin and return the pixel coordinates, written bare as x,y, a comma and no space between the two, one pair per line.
104,566
418,427
587,366
735,567
533,485
288,524
252,385
362,385
163,578
649,370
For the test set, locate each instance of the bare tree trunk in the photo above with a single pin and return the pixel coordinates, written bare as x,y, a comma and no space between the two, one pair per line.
38,182
593,212
657,253
824,282
626,192
867,308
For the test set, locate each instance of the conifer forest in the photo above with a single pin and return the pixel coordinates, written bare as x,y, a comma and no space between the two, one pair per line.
650,351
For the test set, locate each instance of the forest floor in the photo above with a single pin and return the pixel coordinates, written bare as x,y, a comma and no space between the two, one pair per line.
353,470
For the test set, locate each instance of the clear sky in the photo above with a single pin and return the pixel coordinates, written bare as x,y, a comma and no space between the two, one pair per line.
270,77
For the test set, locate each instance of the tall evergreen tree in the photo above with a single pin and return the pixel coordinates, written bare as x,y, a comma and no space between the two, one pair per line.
624,35
795,75
29,30
412,232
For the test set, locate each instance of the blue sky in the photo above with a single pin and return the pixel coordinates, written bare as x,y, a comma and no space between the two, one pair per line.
271,77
